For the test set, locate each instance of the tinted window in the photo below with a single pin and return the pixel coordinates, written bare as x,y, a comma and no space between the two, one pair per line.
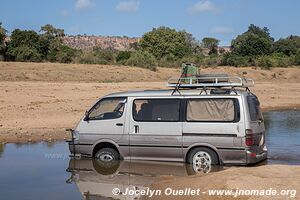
156,110
212,110
254,108
110,108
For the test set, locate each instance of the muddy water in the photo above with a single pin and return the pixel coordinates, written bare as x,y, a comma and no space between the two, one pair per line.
44,171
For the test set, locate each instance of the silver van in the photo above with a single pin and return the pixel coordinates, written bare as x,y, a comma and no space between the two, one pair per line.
199,122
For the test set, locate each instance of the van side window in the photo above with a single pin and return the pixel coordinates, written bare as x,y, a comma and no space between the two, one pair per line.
151,110
254,108
109,108
212,110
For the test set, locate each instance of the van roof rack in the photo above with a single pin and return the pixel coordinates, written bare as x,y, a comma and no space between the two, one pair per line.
206,81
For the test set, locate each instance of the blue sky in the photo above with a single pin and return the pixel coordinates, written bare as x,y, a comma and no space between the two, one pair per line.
223,19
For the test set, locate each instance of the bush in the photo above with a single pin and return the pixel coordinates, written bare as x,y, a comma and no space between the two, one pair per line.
196,59
274,60
142,59
24,53
123,56
96,57
235,60
211,61
281,60
85,58
265,62
287,46
297,57
65,54
169,61
104,57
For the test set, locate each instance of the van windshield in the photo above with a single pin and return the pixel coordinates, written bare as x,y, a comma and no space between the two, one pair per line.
110,108
254,108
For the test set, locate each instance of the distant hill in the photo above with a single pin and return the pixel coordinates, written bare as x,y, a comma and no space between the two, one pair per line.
88,43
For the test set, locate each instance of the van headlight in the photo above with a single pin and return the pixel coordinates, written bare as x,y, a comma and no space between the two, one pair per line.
75,135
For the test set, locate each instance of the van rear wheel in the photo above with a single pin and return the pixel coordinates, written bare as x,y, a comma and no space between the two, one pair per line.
202,158
107,155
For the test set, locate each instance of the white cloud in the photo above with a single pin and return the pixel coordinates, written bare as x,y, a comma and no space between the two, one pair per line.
221,30
81,5
128,6
202,6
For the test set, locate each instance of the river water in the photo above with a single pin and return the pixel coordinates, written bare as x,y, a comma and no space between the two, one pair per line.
45,171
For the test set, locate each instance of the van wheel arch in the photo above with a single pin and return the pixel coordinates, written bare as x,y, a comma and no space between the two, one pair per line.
218,161
102,145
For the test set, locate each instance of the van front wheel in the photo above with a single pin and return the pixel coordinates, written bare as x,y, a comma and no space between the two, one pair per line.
107,155
201,158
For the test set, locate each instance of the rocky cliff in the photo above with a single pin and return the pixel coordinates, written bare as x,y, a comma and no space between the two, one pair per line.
88,43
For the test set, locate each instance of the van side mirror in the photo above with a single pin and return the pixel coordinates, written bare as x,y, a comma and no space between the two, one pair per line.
86,116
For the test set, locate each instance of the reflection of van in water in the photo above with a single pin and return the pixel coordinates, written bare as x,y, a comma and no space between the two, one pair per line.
201,121
96,179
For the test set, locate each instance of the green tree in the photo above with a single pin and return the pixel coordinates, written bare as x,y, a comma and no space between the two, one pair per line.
288,46
255,41
134,46
65,54
164,41
212,44
51,40
24,46
2,39
297,57
25,53
50,31
142,59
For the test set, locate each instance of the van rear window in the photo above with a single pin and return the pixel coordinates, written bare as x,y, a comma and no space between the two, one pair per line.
254,108
160,110
211,110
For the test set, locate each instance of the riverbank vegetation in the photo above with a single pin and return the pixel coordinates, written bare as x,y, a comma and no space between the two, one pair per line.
162,46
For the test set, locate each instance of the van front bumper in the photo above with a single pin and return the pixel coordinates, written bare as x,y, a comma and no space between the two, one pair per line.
255,158
73,147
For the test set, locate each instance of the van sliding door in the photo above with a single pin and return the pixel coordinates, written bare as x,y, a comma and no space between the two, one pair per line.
156,129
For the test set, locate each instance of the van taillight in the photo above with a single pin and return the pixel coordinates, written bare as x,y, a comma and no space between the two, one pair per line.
249,137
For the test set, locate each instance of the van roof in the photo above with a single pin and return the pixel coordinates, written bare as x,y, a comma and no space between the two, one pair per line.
168,93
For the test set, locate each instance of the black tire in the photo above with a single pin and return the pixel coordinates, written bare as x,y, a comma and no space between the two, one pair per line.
106,168
213,155
190,170
107,154
199,165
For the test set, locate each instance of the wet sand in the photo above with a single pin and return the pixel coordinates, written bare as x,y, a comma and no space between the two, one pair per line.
277,177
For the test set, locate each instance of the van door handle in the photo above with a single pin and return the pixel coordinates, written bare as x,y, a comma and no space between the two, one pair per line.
136,128
119,124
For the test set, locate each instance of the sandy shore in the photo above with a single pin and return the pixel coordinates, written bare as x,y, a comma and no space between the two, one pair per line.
277,177
39,101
